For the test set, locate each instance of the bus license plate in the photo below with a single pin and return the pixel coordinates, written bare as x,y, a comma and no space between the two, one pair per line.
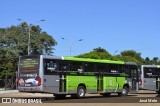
27,84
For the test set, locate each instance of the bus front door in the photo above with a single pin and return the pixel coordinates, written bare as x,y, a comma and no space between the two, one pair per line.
62,78
100,79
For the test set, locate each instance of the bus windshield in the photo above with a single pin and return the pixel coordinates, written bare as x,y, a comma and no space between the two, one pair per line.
28,71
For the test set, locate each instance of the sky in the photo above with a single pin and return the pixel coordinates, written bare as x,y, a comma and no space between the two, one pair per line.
114,25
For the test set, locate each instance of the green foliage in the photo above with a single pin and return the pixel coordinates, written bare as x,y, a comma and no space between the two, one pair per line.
155,61
97,53
14,42
126,55
8,62
132,56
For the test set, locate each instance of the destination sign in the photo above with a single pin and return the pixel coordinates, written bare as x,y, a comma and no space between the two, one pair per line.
29,63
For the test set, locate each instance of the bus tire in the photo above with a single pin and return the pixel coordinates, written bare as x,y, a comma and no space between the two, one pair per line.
59,96
125,91
81,91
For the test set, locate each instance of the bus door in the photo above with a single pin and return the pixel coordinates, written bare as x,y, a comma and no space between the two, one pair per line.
100,70
62,77
134,79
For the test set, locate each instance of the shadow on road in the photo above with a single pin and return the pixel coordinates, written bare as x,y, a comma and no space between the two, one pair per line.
94,99
146,93
158,95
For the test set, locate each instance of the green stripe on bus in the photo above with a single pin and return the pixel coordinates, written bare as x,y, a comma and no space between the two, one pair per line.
93,60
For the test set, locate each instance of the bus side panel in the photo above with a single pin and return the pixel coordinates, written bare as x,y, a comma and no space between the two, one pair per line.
89,81
121,81
110,84
51,83
149,83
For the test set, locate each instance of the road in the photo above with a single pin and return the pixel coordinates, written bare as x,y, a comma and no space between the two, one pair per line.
90,99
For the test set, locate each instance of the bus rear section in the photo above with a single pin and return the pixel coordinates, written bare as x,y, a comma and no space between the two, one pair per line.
29,78
150,77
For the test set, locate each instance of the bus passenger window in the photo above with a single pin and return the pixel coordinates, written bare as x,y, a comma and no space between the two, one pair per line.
89,67
63,67
113,69
123,69
50,67
76,67
149,73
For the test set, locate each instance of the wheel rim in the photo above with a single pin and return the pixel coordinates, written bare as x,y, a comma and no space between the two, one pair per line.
81,92
124,92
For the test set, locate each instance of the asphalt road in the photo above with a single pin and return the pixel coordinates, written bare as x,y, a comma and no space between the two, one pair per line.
114,98
91,99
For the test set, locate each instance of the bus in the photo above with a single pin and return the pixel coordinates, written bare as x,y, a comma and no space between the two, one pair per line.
150,77
61,76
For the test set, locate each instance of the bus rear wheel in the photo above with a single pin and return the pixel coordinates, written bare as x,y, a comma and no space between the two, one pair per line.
81,92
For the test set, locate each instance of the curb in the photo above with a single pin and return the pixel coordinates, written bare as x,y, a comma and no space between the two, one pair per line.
8,91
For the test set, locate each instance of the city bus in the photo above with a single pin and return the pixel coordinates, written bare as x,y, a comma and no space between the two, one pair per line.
150,77
61,76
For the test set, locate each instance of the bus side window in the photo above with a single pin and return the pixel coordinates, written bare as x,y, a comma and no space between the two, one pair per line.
76,67
157,71
124,70
63,66
148,72
51,67
113,69
89,67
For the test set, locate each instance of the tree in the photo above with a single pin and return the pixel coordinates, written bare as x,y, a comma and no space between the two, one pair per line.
14,42
127,56
8,62
133,54
147,60
40,42
97,53
155,60
99,49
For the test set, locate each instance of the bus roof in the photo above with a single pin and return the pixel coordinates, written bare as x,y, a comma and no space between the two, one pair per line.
93,60
85,59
